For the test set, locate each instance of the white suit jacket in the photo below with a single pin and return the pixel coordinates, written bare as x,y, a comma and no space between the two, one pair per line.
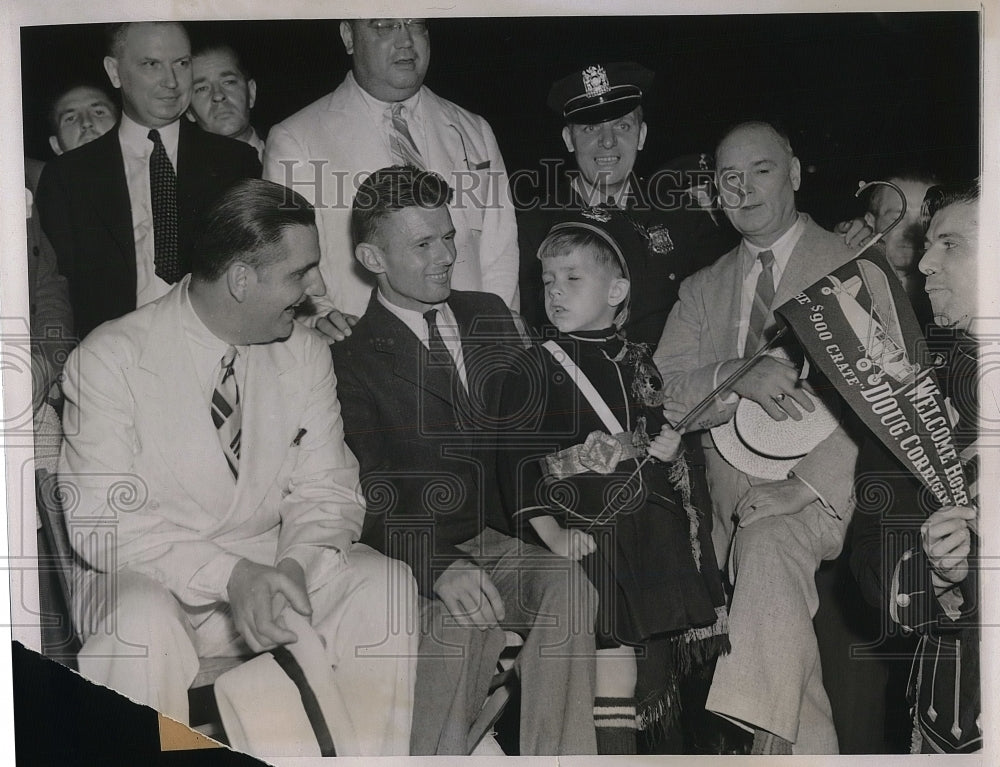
147,486
703,329
326,150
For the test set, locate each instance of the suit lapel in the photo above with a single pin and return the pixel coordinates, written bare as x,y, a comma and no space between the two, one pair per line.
111,199
806,264
722,304
391,336
179,412
268,424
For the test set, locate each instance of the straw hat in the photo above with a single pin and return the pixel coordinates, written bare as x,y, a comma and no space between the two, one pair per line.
264,710
759,446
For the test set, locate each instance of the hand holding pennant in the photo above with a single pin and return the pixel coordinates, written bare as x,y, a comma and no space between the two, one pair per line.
857,326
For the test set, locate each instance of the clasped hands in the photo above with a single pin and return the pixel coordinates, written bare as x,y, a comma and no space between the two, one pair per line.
258,594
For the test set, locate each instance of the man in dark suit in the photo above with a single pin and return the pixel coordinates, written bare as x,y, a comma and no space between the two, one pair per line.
120,210
419,388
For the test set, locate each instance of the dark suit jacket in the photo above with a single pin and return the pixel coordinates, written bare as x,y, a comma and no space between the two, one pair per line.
427,454
85,211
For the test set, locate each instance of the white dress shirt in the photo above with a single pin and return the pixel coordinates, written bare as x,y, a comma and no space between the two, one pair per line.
381,113
782,249
136,151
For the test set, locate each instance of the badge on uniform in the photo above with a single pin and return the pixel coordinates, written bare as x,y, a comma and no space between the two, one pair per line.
599,214
659,239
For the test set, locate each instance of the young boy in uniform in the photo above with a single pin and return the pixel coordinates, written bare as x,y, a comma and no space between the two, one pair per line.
596,475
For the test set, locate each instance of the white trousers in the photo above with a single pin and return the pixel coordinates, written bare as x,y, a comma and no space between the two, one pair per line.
146,645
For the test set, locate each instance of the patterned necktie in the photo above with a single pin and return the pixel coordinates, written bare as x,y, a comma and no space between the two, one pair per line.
163,190
227,415
761,303
404,150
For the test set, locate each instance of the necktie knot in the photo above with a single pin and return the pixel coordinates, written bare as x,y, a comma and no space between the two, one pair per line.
228,360
154,136
430,317
766,259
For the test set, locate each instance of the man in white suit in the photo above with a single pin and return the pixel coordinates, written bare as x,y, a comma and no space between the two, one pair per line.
772,679
198,530
326,150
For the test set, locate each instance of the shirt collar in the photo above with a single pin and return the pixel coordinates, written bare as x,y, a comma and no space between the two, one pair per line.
196,330
586,192
781,248
414,320
378,108
134,138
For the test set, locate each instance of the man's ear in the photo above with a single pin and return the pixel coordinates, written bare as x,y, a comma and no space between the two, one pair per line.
347,35
252,88
111,67
869,218
642,135
370,256
618,291
239,277
54,143
189,113
567,137
795,173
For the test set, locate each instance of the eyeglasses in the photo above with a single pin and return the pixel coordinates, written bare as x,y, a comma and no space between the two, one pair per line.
389,27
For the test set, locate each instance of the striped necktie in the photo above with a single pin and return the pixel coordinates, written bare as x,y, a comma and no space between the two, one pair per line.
227,415
404,150
762,299
163,199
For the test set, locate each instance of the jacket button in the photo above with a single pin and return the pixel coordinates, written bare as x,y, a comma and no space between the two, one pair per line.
903,600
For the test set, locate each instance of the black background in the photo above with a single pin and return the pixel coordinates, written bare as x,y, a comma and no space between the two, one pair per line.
860,94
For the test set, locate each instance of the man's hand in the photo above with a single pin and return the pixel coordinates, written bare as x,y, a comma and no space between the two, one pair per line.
856,232
946,541
772,499
665,445
257,596
470,595
773,384
336,326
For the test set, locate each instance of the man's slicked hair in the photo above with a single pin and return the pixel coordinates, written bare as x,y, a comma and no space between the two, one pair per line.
391,189
250,216
941,196
203,48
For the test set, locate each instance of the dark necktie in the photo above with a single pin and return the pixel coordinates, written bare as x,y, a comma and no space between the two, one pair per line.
227,414
404,148
439,354
761,303
163,192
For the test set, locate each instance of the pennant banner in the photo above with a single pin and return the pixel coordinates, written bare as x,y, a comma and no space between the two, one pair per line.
858,327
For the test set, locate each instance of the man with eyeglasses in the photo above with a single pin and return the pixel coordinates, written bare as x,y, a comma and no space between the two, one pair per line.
382,115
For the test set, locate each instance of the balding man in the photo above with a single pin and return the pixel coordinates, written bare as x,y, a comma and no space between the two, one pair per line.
771,682
120,210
